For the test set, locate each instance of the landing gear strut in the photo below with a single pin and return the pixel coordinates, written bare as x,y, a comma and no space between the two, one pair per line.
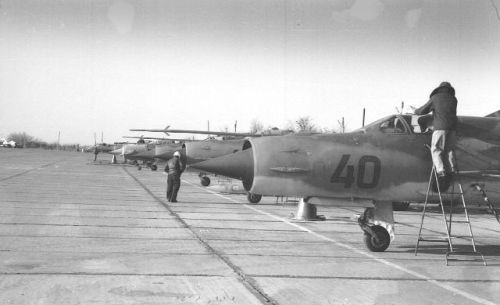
376,238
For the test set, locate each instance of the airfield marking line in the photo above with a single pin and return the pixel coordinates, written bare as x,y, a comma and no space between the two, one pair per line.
346,246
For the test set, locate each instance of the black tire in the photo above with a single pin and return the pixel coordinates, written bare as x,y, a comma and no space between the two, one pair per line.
383,236
139,167
154,167
205,181
254,198
400,206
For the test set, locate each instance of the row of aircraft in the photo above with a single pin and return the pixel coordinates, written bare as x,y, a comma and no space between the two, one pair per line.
229,142
384,162
143,151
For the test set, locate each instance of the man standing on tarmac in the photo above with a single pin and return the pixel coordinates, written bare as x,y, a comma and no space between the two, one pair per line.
174,170
443,105
96,151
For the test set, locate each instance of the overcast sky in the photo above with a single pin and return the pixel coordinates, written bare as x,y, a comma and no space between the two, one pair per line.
81,67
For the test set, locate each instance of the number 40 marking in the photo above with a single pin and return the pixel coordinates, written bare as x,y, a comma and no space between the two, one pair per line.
348,179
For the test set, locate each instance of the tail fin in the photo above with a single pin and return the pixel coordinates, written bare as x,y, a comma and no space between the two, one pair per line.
495,114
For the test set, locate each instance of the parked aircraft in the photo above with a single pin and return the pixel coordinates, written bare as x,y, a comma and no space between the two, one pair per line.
386,161
229,142
163,150
104,147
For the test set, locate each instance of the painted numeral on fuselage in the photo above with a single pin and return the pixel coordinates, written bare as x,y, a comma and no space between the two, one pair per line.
348,179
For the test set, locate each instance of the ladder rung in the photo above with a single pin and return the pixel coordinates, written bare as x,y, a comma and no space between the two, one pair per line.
476,256
461,236
458,221
434,240
463,253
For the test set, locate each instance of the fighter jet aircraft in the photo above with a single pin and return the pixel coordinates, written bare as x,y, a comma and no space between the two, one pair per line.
158,152
230,142
132,151
386,161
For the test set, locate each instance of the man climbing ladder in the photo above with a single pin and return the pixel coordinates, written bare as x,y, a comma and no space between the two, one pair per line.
443,105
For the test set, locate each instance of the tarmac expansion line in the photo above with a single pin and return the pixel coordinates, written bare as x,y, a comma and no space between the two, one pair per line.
29,170
247,281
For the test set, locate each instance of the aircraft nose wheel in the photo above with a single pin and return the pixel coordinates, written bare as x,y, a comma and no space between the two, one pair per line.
378,240
254,198
205,181
376,237
154,167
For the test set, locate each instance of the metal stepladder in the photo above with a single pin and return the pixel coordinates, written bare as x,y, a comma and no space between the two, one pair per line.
435,187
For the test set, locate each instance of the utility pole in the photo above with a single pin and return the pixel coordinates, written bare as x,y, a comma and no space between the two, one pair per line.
363,124
58,140
342,125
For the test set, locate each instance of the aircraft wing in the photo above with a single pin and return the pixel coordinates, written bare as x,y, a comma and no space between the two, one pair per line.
215,133
481,174
162,139
495,114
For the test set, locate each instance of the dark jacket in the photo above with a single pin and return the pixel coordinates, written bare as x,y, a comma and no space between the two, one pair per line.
443,105
174,166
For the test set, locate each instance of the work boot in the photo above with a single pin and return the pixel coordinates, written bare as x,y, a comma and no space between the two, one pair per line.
443,181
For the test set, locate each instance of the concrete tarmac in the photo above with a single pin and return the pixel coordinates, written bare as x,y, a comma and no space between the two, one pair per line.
74,231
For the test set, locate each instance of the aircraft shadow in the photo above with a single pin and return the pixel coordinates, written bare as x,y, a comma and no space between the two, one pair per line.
486,250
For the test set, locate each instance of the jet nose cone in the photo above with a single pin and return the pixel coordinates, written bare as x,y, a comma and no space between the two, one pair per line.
164,153
128,150
116,151
237,165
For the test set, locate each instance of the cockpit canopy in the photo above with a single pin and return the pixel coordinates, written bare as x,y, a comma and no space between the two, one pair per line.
401,124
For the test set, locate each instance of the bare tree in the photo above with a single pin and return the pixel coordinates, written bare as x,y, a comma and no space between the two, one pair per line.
305,124
256,126
22,138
